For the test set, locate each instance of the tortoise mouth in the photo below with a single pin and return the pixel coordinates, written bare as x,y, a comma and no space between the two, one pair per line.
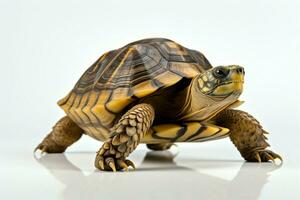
241,82
221,91
228,82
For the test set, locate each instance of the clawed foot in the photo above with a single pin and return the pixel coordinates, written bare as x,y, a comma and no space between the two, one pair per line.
49,146
112,164
263,156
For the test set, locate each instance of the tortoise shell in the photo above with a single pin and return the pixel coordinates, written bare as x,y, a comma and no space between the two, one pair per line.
120,77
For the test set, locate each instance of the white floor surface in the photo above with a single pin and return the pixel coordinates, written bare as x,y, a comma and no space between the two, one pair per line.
211,170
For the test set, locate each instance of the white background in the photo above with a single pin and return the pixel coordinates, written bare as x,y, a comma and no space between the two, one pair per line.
45,46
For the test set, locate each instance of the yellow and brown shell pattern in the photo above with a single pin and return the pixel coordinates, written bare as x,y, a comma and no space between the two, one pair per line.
122,76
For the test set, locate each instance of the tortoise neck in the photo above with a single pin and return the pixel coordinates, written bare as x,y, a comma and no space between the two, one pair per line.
200,107
197,106
189,94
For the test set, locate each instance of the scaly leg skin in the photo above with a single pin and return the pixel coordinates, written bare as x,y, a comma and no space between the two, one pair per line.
247,135
125,137
160,146
64,133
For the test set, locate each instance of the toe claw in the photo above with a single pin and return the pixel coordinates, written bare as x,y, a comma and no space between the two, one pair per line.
111,163
257,157
265,156
36,148
101,163
122,164
112,166
275,155
269,157
279,157
43,149
130,163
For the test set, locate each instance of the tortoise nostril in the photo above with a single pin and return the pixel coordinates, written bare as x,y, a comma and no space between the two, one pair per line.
221,72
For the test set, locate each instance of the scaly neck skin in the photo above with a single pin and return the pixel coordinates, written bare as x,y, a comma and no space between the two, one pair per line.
200,107
192,104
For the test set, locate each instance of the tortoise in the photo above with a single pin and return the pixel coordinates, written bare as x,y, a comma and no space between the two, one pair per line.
158,92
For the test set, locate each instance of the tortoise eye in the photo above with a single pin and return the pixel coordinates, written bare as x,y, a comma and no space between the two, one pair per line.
220,72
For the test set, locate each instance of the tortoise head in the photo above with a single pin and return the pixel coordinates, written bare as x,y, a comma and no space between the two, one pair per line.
222,81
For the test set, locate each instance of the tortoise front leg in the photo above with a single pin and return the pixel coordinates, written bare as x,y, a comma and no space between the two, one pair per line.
125,137
247,135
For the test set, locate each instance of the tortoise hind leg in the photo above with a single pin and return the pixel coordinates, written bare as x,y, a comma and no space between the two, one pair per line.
247,135
64,133
125,137
160,146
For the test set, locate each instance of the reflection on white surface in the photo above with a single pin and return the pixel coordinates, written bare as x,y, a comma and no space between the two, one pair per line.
196,171
157,176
